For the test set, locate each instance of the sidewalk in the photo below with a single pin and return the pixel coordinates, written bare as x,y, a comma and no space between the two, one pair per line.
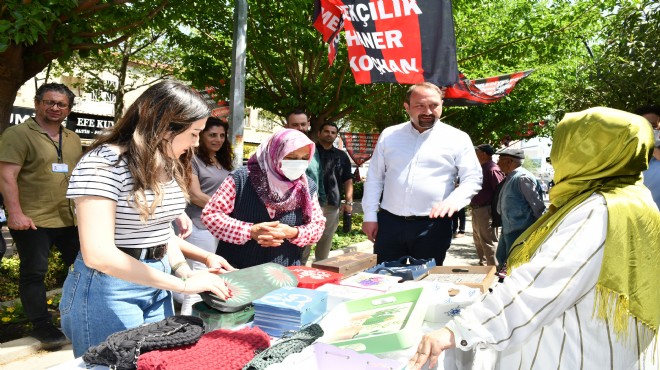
25,353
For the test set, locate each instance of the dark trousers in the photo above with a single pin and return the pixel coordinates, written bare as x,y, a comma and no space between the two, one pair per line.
33,248
419,238
458,221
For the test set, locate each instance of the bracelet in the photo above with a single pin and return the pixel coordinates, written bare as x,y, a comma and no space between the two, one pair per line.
349,203
185,283
176,266
206,259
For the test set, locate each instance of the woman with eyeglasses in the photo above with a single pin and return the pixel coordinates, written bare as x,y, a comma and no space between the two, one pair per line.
210,166
128,188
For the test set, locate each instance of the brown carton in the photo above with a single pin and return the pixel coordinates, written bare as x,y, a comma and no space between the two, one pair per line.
348,263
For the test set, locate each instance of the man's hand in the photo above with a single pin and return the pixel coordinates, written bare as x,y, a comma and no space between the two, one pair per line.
184,223
442,209
267,234
20,221
431,347
370,229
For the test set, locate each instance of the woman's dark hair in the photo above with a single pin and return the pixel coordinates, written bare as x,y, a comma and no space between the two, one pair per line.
145,131
224,155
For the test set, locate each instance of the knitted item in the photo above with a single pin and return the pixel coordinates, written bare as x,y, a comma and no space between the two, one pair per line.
121,350
217,350
288,345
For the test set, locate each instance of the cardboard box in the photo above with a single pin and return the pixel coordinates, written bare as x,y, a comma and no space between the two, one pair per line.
348,263
481,277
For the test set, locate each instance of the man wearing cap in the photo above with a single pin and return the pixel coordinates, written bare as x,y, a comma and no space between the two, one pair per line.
484,235
410,193
520,202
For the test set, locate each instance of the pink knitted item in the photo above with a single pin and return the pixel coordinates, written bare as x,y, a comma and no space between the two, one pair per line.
217,350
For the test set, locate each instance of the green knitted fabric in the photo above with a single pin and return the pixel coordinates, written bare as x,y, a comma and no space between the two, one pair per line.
294,343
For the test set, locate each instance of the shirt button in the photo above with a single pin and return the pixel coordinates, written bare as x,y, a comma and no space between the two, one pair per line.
464,343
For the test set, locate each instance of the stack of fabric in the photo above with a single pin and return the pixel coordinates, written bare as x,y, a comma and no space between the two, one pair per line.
217,350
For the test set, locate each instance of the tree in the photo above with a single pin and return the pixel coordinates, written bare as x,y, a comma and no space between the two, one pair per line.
150,60
33,33
622,71
287,63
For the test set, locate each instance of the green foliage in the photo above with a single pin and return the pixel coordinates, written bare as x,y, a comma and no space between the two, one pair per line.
623,72
9,274
358,189
342,239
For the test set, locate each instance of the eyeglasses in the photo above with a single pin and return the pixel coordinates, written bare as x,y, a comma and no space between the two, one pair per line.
51,103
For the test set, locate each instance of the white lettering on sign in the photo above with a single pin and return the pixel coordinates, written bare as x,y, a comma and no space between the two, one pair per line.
367,63
377,10
330,20
374,40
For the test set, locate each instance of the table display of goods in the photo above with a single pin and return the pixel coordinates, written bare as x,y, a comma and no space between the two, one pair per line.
365,280
322,356
481,277
312,278
347,264
447,300
289,309
214,319
248,284
382,323
406,267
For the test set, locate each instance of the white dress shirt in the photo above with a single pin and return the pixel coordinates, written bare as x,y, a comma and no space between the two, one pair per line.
413,171
541,317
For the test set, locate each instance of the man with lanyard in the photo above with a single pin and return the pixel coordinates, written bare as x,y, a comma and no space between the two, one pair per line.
36,160
411,179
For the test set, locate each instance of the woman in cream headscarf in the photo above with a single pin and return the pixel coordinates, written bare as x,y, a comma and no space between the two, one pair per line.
581,293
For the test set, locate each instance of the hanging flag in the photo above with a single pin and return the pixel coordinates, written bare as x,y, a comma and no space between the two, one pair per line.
360,147
327,19
482,91
399,41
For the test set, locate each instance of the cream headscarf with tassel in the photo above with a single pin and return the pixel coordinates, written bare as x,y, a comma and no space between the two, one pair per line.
604,151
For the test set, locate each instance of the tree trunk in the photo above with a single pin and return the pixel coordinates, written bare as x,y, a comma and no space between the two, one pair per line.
11,72
121,82
17,65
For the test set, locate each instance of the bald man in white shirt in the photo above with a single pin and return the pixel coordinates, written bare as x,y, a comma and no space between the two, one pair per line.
414,167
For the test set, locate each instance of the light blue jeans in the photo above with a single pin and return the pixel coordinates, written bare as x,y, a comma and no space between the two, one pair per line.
95,305
206,241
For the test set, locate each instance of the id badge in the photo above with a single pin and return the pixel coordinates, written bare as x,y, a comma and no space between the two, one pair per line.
60,167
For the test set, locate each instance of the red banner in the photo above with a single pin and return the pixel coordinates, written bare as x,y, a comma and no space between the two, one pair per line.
398,41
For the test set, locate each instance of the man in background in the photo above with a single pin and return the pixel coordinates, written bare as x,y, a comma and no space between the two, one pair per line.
337,180
483,233
652,175
36,160
297,120
520,202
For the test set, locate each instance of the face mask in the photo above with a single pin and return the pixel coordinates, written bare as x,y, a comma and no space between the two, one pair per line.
656,135
294,168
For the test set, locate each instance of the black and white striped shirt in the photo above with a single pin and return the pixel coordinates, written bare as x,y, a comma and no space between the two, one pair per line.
99,174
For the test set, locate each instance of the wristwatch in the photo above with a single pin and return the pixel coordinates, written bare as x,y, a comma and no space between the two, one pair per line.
349,203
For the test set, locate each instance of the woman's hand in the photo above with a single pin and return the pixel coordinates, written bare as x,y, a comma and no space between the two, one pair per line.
217,264
268,234
205,281
431,347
